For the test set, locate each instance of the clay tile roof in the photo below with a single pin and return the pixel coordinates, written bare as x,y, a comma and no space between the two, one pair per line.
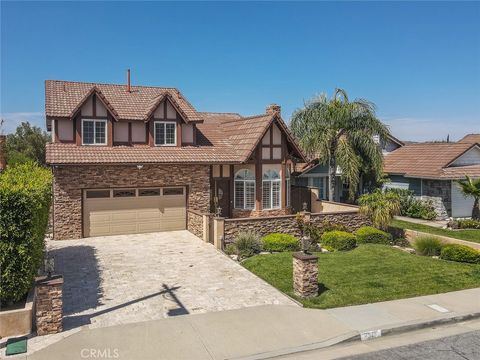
428,160
470,139
63,98
58,153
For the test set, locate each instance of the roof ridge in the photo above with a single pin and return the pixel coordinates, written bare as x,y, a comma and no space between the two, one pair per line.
246,118
112,84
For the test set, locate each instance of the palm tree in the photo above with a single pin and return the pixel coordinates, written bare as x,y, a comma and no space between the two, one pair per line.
341,133
380,207
471,188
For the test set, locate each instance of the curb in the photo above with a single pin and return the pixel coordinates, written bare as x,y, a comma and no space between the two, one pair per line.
362,336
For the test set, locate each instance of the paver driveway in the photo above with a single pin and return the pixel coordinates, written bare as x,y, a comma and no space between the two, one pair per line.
128,278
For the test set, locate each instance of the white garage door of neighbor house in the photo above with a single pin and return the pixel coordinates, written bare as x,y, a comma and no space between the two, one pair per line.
461,206
133,210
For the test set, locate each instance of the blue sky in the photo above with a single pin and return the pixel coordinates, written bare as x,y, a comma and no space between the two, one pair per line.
419,62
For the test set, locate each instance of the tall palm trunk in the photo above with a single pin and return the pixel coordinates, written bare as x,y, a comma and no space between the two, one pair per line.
332,171
476,209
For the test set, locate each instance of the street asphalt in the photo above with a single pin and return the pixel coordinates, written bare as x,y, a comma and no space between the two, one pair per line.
458,347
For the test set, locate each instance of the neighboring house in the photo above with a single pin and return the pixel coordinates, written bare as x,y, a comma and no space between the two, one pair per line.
470,139
316,175
430,171
138,159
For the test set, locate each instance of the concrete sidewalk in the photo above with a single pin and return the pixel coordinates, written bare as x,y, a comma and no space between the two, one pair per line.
441,224
260,332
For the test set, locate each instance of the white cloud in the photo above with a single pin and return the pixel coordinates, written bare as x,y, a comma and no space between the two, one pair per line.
431,129
12,120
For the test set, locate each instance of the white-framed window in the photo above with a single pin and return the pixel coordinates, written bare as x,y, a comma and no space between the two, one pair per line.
321,184
165,133
244,190
94,132
271,189
288,188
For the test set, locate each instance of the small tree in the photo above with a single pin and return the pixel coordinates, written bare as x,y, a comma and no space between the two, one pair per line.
26,144
471,188
380,207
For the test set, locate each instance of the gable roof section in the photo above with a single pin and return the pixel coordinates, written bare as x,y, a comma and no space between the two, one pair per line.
428,160
64,98
245,133
470,139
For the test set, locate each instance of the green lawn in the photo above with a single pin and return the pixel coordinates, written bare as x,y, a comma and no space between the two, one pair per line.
469,235
370,273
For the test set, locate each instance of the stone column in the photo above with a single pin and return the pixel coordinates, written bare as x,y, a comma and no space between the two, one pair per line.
305,274
218,232
49,305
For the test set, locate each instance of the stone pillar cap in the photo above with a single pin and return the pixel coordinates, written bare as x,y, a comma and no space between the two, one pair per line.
302,256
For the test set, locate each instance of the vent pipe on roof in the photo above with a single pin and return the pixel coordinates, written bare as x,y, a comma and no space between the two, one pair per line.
128,80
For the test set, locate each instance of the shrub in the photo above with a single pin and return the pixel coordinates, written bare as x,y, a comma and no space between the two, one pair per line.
248,244
428,246
401,242
280,242
25,195
468,224
338,240
420,209
461,253
231,249
371,235
380,207
413,207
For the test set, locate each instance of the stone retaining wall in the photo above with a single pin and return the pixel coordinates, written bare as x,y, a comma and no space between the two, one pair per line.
288,224
351,219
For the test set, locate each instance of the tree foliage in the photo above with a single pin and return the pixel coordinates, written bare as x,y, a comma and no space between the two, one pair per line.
471,188
26,144
339,132
25,196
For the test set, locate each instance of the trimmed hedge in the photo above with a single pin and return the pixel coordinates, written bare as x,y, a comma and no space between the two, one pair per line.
25,196
280,242
371,235
461,253
338,240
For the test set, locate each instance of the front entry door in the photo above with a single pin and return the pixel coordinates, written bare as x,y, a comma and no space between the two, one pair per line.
222,194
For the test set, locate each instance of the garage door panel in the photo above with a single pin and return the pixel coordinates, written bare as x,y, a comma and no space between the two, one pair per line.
129,215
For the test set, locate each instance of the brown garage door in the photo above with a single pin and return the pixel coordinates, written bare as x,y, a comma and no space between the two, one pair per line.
133,210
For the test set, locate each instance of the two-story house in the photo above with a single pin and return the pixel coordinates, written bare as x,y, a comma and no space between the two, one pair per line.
133,159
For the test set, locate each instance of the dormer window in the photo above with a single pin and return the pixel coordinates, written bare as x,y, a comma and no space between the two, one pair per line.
94,132
165,133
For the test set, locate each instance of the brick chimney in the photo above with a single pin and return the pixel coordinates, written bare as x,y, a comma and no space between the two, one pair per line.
273,109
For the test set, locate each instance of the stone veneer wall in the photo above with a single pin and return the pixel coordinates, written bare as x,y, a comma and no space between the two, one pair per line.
439,192
69,181
351,219
195,223
238,213
287,224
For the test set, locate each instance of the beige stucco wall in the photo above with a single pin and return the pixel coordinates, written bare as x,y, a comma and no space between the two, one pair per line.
101,109
138,131
87,108
277,135
120,131
187,133
65,130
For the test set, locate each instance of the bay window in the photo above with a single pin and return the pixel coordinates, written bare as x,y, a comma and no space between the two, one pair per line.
244,190
165,133
271,189
94,132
